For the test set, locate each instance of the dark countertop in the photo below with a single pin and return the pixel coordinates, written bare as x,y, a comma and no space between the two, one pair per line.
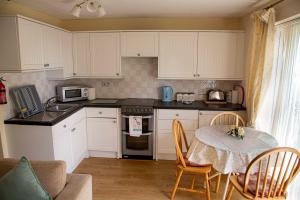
51,118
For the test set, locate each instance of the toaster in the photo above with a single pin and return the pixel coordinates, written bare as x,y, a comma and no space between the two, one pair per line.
216,95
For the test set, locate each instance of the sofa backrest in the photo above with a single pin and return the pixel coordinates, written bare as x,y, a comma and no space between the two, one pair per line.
52,174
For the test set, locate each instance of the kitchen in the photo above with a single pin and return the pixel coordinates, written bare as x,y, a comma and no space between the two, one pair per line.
105,80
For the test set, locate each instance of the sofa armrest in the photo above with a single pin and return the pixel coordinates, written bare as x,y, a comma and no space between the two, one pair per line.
78,187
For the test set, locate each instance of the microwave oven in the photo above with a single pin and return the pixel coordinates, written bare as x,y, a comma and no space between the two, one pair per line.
71,93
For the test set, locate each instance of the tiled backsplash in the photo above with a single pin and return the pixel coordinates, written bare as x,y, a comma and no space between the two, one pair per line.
139,81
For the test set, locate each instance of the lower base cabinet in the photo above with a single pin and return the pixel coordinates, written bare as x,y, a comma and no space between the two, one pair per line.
64,141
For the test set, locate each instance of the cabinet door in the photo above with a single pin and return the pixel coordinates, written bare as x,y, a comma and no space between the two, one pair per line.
81,53
79,142
218,54
31,45
62,145
67,55
177,55
105,54
52,48
102,134
139,44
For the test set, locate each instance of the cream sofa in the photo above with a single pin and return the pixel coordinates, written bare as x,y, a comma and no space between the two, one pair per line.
53,176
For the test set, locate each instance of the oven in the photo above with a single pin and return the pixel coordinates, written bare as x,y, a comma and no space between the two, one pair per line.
142,146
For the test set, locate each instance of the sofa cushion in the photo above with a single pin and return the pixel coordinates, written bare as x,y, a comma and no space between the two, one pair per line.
21,182
52,174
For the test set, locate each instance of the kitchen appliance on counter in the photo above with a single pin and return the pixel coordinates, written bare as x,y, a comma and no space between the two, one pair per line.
137,147
26,100
167,94
71,93
216,97
185,97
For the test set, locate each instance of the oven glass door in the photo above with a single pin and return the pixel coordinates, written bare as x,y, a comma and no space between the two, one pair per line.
75,93
137,143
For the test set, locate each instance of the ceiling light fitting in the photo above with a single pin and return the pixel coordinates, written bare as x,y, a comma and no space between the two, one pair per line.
92,6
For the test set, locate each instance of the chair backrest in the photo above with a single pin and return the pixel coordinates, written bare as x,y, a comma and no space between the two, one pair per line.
179,138
273,171
227,118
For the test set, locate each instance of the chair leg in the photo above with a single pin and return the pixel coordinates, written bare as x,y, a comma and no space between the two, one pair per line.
218,183
230,190
179,174
207,187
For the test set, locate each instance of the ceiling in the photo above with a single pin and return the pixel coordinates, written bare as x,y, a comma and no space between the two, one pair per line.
149,8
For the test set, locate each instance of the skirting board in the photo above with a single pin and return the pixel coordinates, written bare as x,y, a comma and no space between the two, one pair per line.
103,154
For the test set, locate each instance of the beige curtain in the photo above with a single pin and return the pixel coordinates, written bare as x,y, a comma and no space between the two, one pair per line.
259,62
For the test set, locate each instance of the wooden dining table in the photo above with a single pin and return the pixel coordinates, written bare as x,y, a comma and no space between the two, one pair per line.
228,154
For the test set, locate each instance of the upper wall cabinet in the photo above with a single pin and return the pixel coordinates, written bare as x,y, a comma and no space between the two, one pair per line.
96,55
177,55
139,44
220,55
21,46
52,43
105,55
81,53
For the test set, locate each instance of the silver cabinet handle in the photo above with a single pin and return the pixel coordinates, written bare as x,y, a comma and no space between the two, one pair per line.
73,129
46,65
100,113
177,115
195,75
74,74
114,121
117,74
65,126
138,54
198,75
200,113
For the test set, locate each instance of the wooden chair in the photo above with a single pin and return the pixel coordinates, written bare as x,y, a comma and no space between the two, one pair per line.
185,166
268,175
227,118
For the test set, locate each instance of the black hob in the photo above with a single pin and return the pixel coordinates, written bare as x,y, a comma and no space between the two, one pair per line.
137,106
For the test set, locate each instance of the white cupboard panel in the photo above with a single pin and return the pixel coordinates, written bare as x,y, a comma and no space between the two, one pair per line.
67,54
102,112
102,134
188,125
177,114
139,44
105,55
177,55
52,48
81,54
218,54
31,44
79,141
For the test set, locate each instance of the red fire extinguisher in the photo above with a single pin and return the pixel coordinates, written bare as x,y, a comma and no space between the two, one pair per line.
2,92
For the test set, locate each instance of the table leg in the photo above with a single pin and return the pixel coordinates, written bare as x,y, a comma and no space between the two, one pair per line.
226,186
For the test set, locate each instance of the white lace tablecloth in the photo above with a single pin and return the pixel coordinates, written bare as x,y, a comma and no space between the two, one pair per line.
211,145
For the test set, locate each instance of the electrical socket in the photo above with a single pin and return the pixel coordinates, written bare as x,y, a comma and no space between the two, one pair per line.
105,83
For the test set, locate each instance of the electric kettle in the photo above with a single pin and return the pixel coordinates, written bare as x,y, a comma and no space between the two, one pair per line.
167,93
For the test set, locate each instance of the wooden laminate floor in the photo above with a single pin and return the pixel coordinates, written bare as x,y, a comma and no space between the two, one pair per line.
138,180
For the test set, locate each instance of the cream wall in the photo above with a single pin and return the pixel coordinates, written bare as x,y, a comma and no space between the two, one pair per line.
12,8
152,23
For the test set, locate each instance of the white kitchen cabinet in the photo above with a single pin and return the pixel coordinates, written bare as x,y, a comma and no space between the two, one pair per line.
79,141
64,141
177,55
66,72
81,54
205,117
21,46
103,132
165,139
52,48
139,44
220,55
105,55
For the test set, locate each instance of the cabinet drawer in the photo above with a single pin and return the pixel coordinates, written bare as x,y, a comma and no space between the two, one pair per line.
188,125
102,112
177,114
